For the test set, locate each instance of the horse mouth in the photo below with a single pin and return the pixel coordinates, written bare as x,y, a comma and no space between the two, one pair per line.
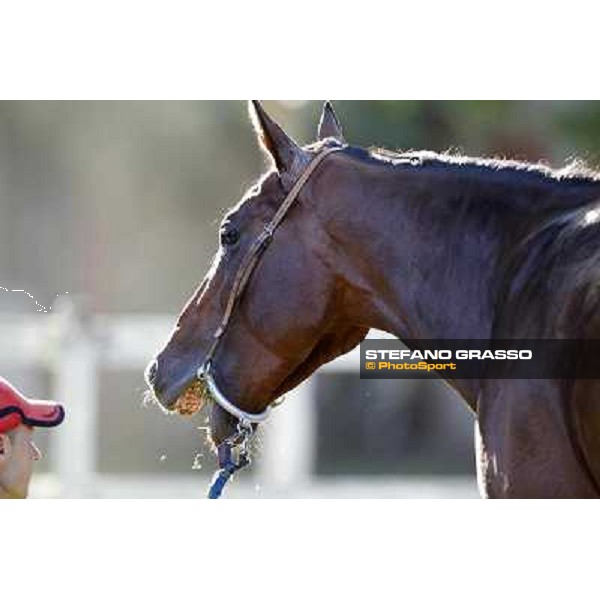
192,399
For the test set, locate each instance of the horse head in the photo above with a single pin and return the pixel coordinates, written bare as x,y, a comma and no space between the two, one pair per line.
291,316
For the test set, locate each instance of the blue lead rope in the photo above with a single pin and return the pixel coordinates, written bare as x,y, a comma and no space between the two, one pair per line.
227,467
219,481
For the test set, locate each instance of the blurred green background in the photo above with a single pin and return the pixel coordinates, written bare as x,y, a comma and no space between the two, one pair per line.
118,203
121,200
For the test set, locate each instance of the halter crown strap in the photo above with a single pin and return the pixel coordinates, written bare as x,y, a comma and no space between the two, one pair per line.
241,279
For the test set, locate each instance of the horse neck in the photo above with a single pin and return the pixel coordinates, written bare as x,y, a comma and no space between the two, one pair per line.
424,252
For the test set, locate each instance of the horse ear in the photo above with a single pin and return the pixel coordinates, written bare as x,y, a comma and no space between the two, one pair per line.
329,125
284,151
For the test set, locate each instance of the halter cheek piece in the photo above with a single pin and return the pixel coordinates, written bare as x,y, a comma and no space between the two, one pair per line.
233,453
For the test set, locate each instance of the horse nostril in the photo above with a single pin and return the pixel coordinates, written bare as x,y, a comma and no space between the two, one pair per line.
151,372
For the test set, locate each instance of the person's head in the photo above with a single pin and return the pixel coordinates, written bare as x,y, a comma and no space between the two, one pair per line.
18,417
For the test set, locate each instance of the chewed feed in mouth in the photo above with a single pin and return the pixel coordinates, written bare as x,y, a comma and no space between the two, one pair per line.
192,399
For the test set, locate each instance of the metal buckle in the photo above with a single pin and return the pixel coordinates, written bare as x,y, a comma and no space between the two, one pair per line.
202,369
233,454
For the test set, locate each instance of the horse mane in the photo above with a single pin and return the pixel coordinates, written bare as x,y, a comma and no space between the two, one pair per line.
575,171
563,236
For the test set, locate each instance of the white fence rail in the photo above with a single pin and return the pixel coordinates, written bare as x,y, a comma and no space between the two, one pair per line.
74,347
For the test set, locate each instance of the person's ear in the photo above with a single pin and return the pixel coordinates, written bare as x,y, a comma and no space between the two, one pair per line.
5,449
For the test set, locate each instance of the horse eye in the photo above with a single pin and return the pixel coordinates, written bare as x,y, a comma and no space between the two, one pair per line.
229,237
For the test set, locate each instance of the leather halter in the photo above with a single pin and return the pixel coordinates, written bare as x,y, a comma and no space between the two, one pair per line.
241,279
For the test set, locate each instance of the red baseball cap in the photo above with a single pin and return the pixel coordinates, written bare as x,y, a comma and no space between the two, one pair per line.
16,409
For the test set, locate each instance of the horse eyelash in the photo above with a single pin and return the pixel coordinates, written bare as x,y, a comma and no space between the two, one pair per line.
231,232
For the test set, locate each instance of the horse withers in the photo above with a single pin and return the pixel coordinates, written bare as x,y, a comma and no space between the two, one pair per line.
335,240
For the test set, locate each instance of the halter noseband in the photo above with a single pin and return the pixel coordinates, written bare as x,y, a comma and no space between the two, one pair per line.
227,464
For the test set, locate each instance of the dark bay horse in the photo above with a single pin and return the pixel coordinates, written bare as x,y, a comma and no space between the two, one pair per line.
420,245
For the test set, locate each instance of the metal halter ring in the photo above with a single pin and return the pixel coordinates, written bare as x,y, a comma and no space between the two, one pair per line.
233,454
